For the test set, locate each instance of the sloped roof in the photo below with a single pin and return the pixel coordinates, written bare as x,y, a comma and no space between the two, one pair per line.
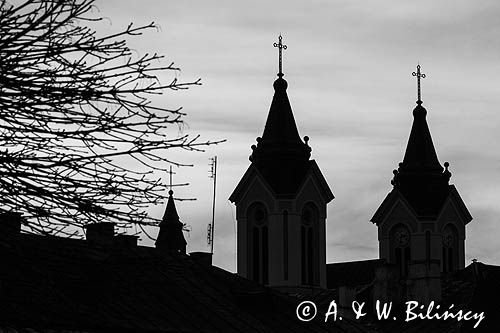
428,207
284,180
283,184
420,154
280,155
475,288
427,201
280,125
416,204
351,273
420,178
56,283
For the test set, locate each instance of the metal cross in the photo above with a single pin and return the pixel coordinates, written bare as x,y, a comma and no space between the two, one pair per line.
418,75
280,47
170,174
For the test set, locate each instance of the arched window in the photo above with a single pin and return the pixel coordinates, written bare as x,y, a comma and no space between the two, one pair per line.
259,243
309,239
450,249
285,245
401,248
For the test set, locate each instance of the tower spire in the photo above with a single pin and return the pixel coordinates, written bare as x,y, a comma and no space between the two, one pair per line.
418,75
420,154
282,193
280,47
280,154
170,237
420,177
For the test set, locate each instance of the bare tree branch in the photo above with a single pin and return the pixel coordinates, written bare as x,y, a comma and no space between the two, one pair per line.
72,106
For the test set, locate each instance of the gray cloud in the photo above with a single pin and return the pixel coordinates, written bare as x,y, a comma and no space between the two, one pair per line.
348,65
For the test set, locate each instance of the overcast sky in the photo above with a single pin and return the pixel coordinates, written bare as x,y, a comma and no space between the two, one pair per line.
348,67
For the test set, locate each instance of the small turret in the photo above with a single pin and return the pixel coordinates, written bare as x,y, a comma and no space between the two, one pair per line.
170,238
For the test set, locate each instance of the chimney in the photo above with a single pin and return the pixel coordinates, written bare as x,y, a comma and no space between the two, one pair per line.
100,234
125,241
10,224
202,258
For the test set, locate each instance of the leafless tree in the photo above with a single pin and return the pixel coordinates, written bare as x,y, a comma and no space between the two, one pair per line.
73,105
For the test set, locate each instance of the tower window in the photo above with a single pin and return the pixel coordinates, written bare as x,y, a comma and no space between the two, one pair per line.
309,237
256,253
259,243
285,245
449,262
265,255
401,248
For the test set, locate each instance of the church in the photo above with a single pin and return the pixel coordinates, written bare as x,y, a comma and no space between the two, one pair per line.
109,283
281,205
281,211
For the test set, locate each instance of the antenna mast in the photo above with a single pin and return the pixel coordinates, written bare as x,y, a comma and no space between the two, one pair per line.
210,230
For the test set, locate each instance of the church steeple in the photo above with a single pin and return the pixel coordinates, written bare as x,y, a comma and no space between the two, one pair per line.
280,138
420,177
420,154
421,222
280,154
170,237
281,203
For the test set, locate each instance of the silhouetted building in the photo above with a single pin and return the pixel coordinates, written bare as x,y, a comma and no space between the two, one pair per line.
170,237
281,212
107,283
281,205
422,220
421,223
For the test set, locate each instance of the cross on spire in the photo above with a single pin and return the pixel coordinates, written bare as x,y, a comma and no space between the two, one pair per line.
170,173
418,75
280,47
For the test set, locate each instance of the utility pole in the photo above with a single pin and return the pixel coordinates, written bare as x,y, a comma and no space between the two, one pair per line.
211,227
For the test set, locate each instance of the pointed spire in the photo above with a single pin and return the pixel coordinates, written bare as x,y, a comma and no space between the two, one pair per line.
420,154
280,125
280,132
170,214
420,177
281,155
170,237
280,136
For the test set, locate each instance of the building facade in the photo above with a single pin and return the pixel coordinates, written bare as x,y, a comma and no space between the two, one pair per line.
281,205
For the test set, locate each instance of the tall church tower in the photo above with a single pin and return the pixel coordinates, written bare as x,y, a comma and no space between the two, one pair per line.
281,203
421,223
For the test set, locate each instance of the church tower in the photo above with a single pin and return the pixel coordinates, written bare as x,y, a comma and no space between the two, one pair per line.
421,223
170,237
281,203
